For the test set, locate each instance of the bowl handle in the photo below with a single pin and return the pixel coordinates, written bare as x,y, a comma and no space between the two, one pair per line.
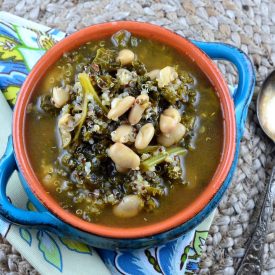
12,213
244,91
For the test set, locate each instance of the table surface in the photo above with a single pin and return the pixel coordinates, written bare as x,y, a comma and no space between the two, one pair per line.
249,25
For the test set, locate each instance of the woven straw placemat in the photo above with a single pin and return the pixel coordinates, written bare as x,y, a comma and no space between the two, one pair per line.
247,24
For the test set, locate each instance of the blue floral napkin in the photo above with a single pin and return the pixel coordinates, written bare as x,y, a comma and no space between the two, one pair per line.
22,43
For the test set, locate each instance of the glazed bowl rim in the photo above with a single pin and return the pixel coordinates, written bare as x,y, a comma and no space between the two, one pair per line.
146,30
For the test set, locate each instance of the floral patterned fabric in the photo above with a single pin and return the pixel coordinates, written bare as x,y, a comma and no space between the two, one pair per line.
21,45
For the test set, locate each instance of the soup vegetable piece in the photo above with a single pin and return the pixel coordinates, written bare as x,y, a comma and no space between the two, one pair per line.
119,129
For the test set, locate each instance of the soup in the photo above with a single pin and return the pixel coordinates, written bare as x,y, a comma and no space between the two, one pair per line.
124,131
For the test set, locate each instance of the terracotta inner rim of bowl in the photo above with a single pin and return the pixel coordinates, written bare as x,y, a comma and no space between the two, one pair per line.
145,30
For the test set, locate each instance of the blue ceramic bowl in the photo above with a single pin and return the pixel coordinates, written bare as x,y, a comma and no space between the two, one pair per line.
45,219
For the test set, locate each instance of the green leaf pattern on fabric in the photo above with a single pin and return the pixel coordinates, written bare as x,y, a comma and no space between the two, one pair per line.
8,49
50,249
76,246
25,235
153,260
199,240
184,256
11,93
20,48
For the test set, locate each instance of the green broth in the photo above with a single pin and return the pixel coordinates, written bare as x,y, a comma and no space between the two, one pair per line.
199,164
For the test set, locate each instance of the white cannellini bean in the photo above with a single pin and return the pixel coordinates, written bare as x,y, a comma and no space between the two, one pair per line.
167,124
60,96
153,74
178,133
115,102
123,156
172,138
121,107
123,134
172,112
169,119
144,136
125,57
166,76
141,104
129,206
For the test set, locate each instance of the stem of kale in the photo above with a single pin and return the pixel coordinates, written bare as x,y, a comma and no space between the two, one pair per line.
87,89
148,149
154,160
